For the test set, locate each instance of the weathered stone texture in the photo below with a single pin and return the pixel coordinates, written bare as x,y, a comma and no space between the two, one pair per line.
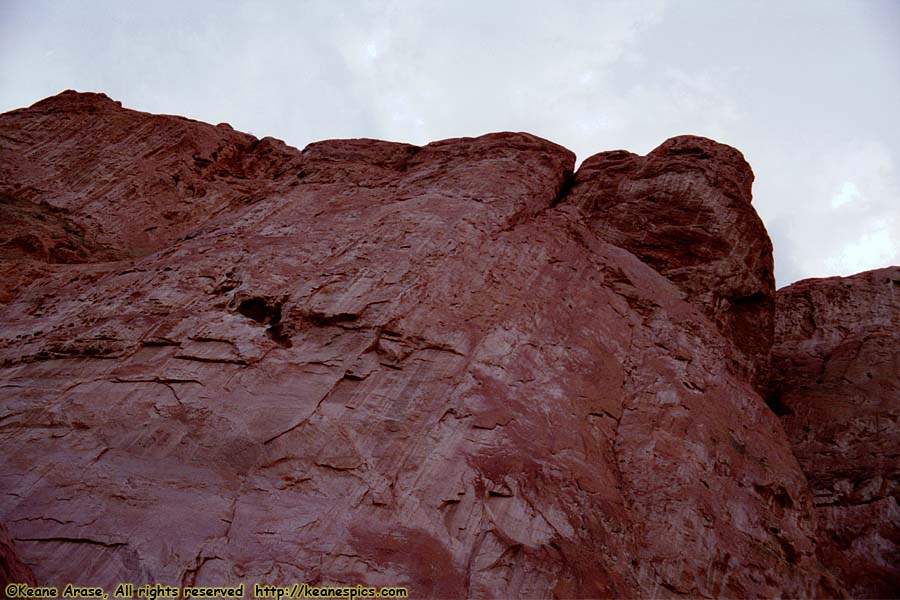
456,367
837,361
12,569
685,210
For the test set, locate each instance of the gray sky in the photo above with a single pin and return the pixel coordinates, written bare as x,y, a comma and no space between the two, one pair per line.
808,91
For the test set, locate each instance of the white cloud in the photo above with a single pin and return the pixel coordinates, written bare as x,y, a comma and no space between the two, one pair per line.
848,193
869,251
859,226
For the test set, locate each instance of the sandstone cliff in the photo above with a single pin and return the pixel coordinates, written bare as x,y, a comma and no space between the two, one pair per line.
836,362
461,367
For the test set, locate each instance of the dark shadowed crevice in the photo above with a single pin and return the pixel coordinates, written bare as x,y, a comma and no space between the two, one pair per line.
266,312
773,400
564,189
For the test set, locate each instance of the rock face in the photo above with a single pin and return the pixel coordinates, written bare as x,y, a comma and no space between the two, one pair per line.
458,367
12,569
684,209
85,181
837,361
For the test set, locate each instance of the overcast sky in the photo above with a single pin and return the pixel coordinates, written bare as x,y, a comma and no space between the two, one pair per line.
808,91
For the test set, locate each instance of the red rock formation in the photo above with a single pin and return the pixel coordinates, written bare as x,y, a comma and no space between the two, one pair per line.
385,364
85,181
684,209
836,359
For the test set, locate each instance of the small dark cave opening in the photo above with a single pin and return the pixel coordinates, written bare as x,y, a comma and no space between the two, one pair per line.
775,403
266,312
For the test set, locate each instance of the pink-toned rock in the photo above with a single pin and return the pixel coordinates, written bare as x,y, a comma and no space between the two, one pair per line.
837,385
83,180
133,182
685,210
390,365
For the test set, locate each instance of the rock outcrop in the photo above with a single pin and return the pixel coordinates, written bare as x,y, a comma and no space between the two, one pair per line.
459,367
836,362
85,181
684,209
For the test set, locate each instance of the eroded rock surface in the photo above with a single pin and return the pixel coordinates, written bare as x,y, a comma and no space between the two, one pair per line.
84,180
12,569
837,360
685,210
385,364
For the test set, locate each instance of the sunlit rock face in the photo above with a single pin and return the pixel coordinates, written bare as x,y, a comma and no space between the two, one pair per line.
461,368
837,361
